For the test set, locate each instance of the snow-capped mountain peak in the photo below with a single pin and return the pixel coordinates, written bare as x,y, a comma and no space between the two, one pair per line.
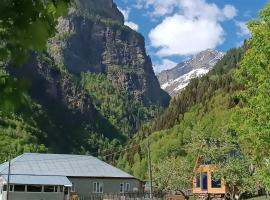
177,78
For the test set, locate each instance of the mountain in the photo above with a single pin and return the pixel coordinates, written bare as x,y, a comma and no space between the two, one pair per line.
176,79
203,109
90,91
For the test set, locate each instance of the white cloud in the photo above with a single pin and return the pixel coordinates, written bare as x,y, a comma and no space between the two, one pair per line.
131,24
243,29
229,11
196,26
164,65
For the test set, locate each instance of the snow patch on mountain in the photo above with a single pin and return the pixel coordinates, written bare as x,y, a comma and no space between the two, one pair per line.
177,78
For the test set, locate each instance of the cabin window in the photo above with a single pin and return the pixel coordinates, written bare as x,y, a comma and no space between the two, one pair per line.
206,162
121,187
98,187
49,188
216,182
127,189
4,187
19,188
34,188
198,180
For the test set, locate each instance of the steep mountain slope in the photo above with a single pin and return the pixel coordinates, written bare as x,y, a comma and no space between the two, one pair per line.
201,110
176,79
93,87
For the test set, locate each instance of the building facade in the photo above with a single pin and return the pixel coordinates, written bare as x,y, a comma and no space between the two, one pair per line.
205,182
56,176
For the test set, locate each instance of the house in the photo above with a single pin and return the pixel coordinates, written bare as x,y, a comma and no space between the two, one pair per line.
56,176
204,181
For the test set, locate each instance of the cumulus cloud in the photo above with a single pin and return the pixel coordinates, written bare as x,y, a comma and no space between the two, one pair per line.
131,24
194,27
243,29
164,65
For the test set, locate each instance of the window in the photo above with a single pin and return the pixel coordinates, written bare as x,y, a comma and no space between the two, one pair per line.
216,182
34,188
198,180
49,188
4,187
98,187
127,188
11,187
122,188
66,191
60,189
73,187
19,188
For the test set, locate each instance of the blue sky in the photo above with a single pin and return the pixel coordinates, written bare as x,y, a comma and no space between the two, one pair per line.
177,29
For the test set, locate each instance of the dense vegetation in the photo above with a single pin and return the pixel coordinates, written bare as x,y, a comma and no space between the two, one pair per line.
204,104
223,116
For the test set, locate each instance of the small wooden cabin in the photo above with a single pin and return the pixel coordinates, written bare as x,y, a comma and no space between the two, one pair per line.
204,182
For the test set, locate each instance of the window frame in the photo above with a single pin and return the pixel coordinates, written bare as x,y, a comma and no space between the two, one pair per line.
127,189
98,187
215,183
122,188
198,180
41,187
14,186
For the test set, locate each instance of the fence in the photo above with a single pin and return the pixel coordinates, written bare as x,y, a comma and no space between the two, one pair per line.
126,196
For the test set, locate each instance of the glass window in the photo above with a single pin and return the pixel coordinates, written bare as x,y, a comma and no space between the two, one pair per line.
66,190
34,188
127,189
98,187
121,187
4,187
60,189
11,187
198,180
216,182
49,188
19,188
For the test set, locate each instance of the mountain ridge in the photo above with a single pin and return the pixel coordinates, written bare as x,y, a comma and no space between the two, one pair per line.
177,78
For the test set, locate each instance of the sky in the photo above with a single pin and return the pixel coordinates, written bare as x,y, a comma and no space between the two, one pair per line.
175,30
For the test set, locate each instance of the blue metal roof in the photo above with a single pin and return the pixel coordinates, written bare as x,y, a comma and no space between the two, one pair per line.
62,165
38,180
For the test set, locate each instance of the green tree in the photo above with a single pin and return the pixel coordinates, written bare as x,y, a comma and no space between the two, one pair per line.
173,174
252,120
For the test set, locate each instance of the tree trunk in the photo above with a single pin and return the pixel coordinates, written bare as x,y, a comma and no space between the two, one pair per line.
186,197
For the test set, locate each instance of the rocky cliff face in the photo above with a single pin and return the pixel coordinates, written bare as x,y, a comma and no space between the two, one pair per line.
97,41
177,78
92,42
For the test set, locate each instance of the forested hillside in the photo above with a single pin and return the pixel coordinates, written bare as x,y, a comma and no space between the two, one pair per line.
223,116
203,106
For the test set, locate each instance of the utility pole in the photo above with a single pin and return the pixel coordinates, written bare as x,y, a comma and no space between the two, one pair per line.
150,168
8,180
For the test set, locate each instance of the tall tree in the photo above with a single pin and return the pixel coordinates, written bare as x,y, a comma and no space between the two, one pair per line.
252,121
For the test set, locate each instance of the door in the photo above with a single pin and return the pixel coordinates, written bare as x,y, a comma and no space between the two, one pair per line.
204,181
